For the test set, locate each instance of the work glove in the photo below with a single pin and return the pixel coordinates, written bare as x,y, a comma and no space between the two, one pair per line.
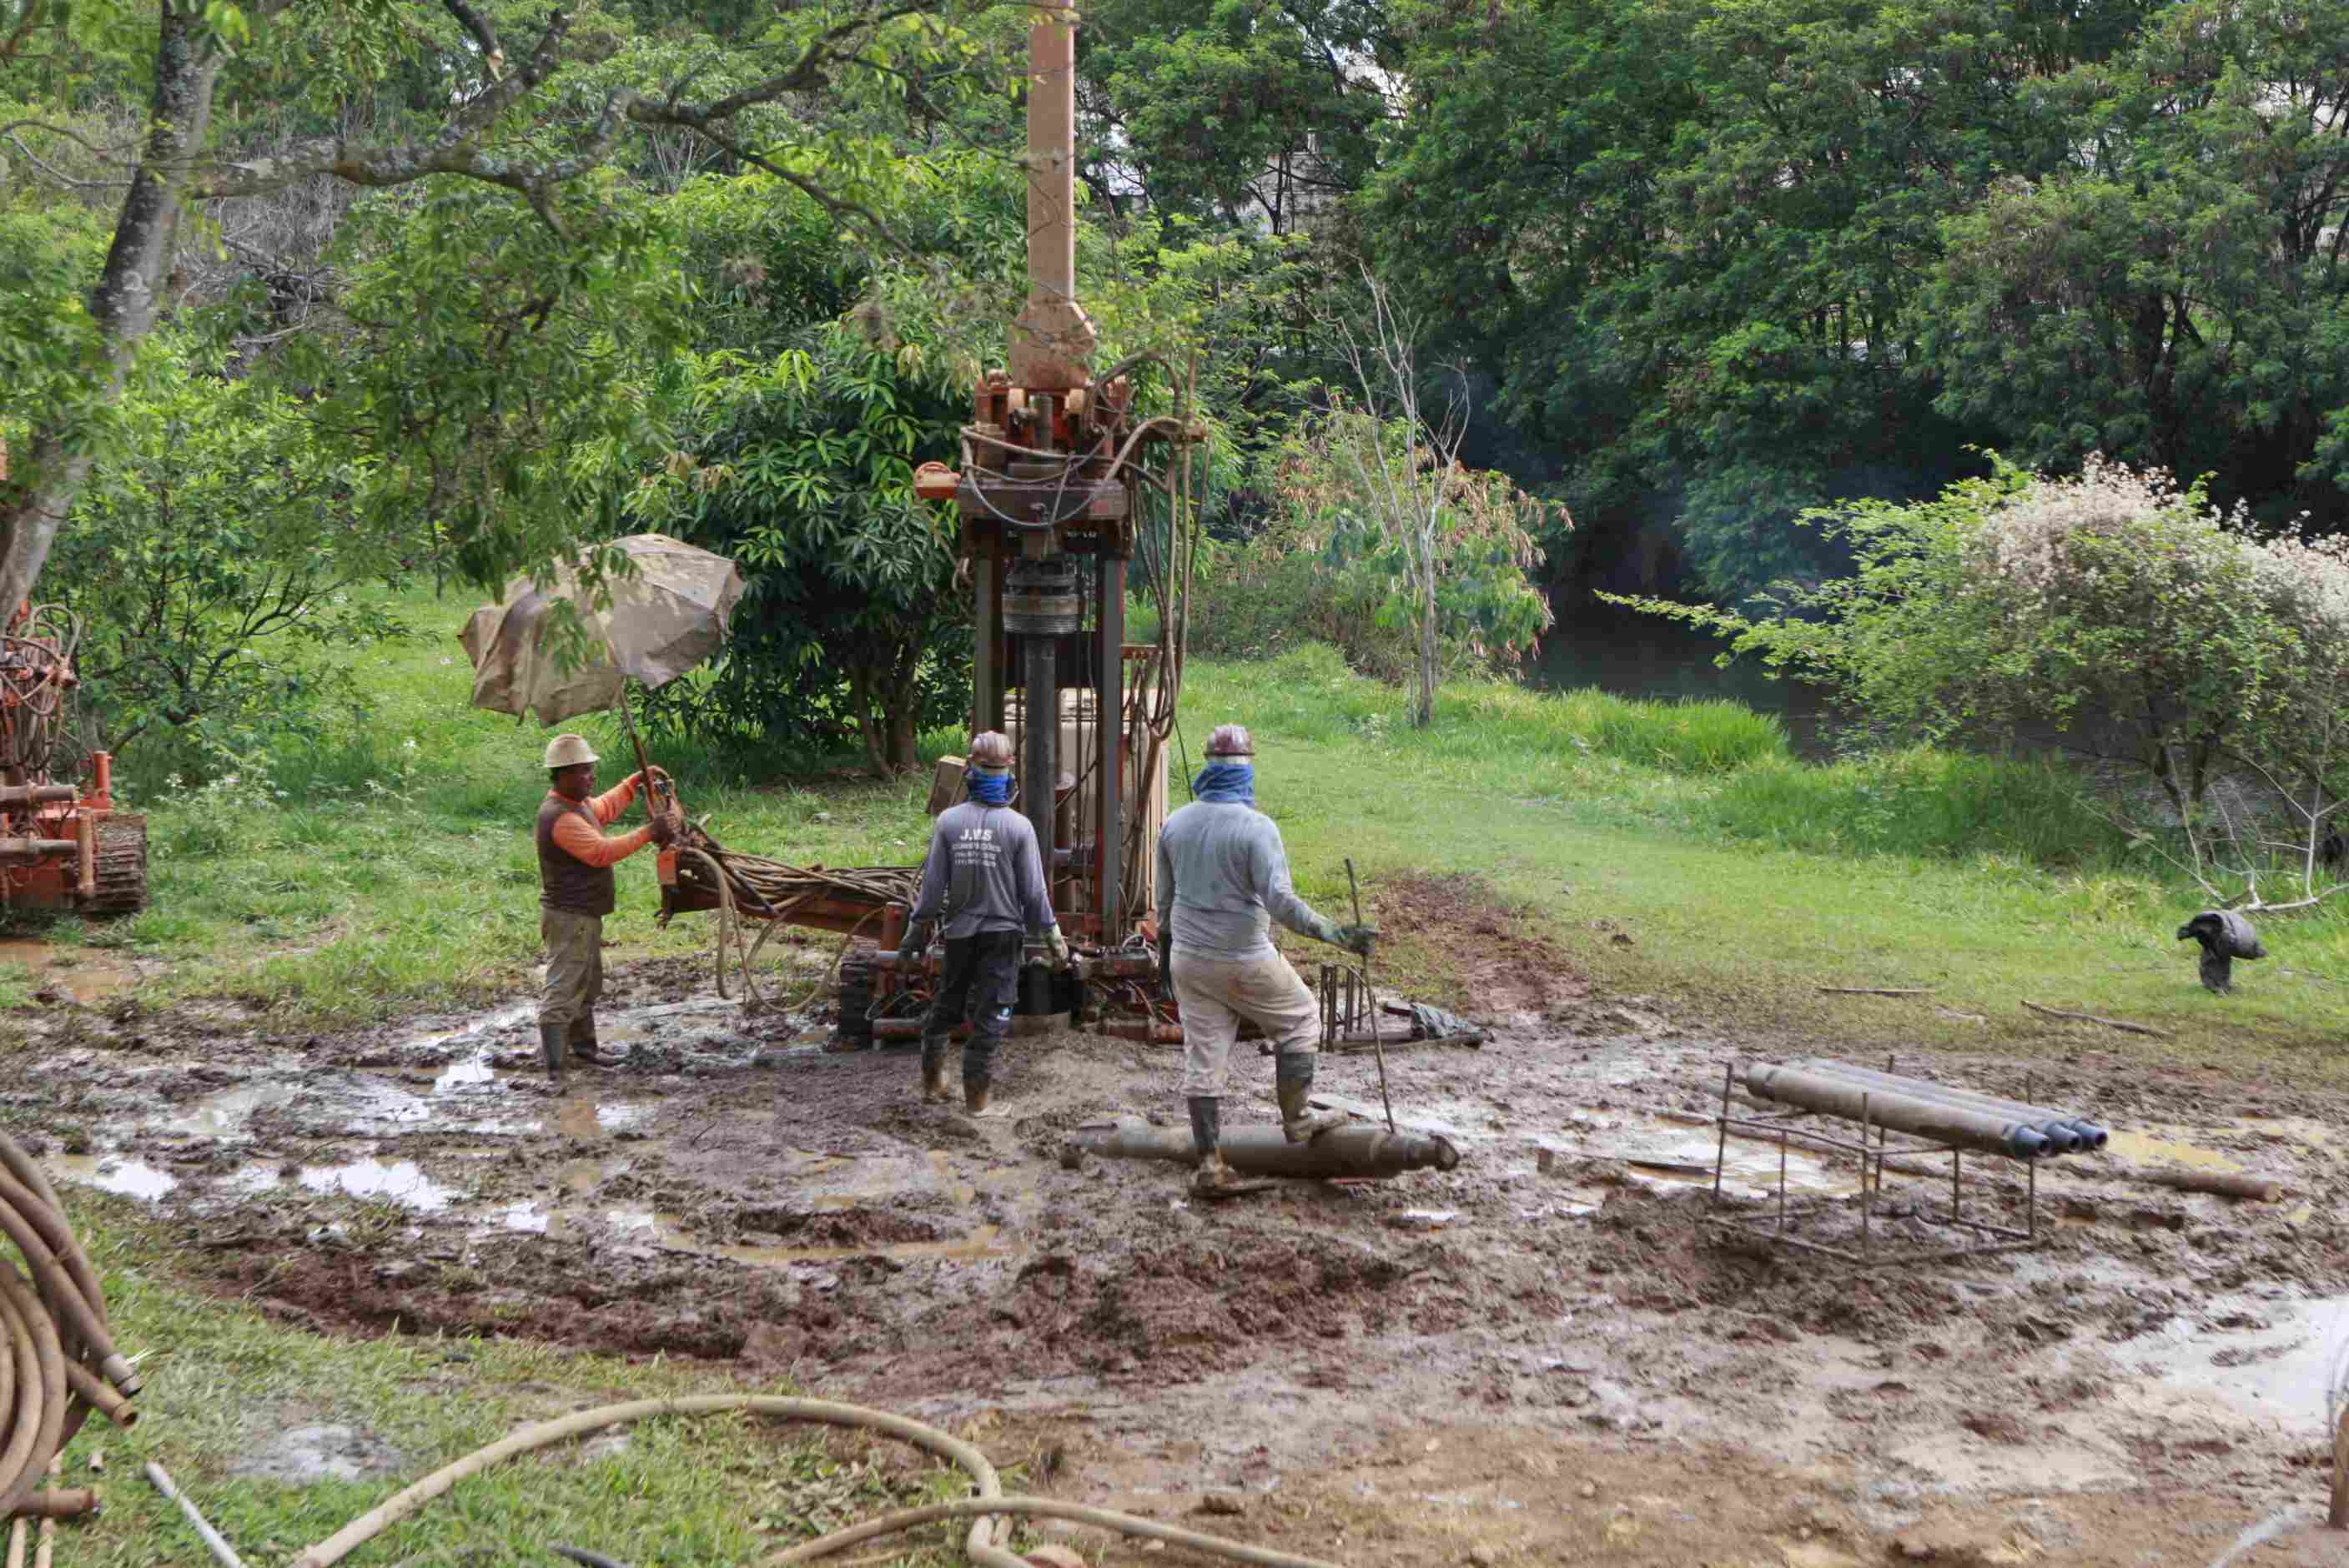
1358,940
644,779
666,828
909,947
1056,944
1167,965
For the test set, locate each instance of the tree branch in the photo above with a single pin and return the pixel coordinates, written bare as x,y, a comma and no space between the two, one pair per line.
494,55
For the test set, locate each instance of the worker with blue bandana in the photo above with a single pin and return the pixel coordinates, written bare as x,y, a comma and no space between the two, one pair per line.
985,878
1223,877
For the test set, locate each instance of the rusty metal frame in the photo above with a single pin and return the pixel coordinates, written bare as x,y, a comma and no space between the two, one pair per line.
1875,1143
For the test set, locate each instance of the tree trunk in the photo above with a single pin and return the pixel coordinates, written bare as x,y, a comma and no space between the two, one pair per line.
1427,642
129,299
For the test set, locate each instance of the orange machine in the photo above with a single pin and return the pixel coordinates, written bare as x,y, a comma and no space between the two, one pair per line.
59,847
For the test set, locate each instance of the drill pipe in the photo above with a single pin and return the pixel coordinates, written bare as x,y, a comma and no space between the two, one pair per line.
2083,1134
1360,1150
1936,1119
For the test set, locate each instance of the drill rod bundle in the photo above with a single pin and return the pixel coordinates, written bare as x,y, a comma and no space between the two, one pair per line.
60,1362
2064,1131
1988,1130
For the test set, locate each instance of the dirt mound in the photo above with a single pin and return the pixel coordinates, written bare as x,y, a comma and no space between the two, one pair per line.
1499,963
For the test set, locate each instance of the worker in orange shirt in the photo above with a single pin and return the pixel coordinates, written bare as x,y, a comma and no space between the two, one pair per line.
575,892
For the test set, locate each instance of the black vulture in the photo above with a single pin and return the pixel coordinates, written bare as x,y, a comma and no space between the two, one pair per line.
2225,936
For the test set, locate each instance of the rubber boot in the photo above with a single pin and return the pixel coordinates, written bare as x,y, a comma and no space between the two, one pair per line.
934,1072
1214,1180
1293,1086
581,1042
550,1046
975,1092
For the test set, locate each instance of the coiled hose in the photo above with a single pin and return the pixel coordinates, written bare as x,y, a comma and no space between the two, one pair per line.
60,1362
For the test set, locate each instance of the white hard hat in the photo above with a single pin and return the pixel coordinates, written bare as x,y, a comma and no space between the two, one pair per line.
569,752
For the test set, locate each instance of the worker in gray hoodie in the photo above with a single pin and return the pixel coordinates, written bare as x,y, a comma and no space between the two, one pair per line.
984,876
1223,877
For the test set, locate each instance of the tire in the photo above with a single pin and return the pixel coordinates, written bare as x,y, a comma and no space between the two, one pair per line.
121,867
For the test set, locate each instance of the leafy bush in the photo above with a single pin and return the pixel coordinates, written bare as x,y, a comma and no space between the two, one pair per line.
2113,597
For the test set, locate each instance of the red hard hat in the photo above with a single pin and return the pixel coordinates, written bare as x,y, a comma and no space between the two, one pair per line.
1230,740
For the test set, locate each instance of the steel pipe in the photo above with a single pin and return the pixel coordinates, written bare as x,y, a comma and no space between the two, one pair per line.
37,794
2078,1133
24,852
1936,1119
1362,1150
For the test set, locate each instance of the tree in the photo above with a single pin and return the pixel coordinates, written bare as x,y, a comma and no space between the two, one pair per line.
2173,292
471,113
208,562
1386,475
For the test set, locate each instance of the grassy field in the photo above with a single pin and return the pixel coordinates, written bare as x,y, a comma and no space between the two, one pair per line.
392,871
222,1382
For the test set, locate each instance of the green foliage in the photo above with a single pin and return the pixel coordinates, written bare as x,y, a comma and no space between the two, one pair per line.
210,561
1226,108
494,378
796,459
1918,800
1438,553
2109,599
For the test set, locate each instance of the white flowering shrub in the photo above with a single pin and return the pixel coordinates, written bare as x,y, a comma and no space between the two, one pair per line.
2112,596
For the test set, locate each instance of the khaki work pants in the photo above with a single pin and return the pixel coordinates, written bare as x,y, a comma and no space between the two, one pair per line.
574,968
1215,995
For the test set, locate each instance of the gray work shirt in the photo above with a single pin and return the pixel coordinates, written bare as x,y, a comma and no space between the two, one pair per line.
1223,876
983,873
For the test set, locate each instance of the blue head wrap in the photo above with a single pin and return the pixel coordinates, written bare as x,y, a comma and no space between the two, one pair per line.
991,789
1232,782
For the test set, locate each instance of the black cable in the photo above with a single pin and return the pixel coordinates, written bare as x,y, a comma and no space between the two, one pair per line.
581,1554
1189,782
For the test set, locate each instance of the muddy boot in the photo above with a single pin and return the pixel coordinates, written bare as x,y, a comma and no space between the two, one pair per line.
582,1045
550,1046
934,1072
1293,1086
1214,1180
975,1094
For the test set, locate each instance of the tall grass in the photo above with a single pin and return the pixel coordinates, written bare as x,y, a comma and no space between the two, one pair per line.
1917,801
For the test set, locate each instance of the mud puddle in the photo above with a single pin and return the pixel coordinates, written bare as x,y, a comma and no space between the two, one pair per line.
73,973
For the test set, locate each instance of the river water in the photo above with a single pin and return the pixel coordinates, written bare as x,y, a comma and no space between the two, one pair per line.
1630,654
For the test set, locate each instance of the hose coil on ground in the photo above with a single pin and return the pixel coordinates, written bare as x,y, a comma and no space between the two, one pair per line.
58,1362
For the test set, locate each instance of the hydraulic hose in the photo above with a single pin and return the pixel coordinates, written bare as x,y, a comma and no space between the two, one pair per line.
58,1362
1049,1508
982,1510
979,1547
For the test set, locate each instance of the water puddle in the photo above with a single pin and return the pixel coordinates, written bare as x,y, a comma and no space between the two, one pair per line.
1662,1150
85,975
510,1016
2238,1359
2158,1145
403,1181
112,1173
227,1113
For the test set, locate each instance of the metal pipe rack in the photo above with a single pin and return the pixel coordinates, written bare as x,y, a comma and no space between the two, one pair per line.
1874,1147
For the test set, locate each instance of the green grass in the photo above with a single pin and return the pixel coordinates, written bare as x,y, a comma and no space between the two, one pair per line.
373,874
221,1381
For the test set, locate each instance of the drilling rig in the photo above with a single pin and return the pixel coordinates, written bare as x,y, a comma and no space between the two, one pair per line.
1049,508
61,848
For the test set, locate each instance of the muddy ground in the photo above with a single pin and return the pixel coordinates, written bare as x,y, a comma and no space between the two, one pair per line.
1546,1355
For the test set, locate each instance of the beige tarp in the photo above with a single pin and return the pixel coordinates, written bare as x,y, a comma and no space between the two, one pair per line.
670,616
